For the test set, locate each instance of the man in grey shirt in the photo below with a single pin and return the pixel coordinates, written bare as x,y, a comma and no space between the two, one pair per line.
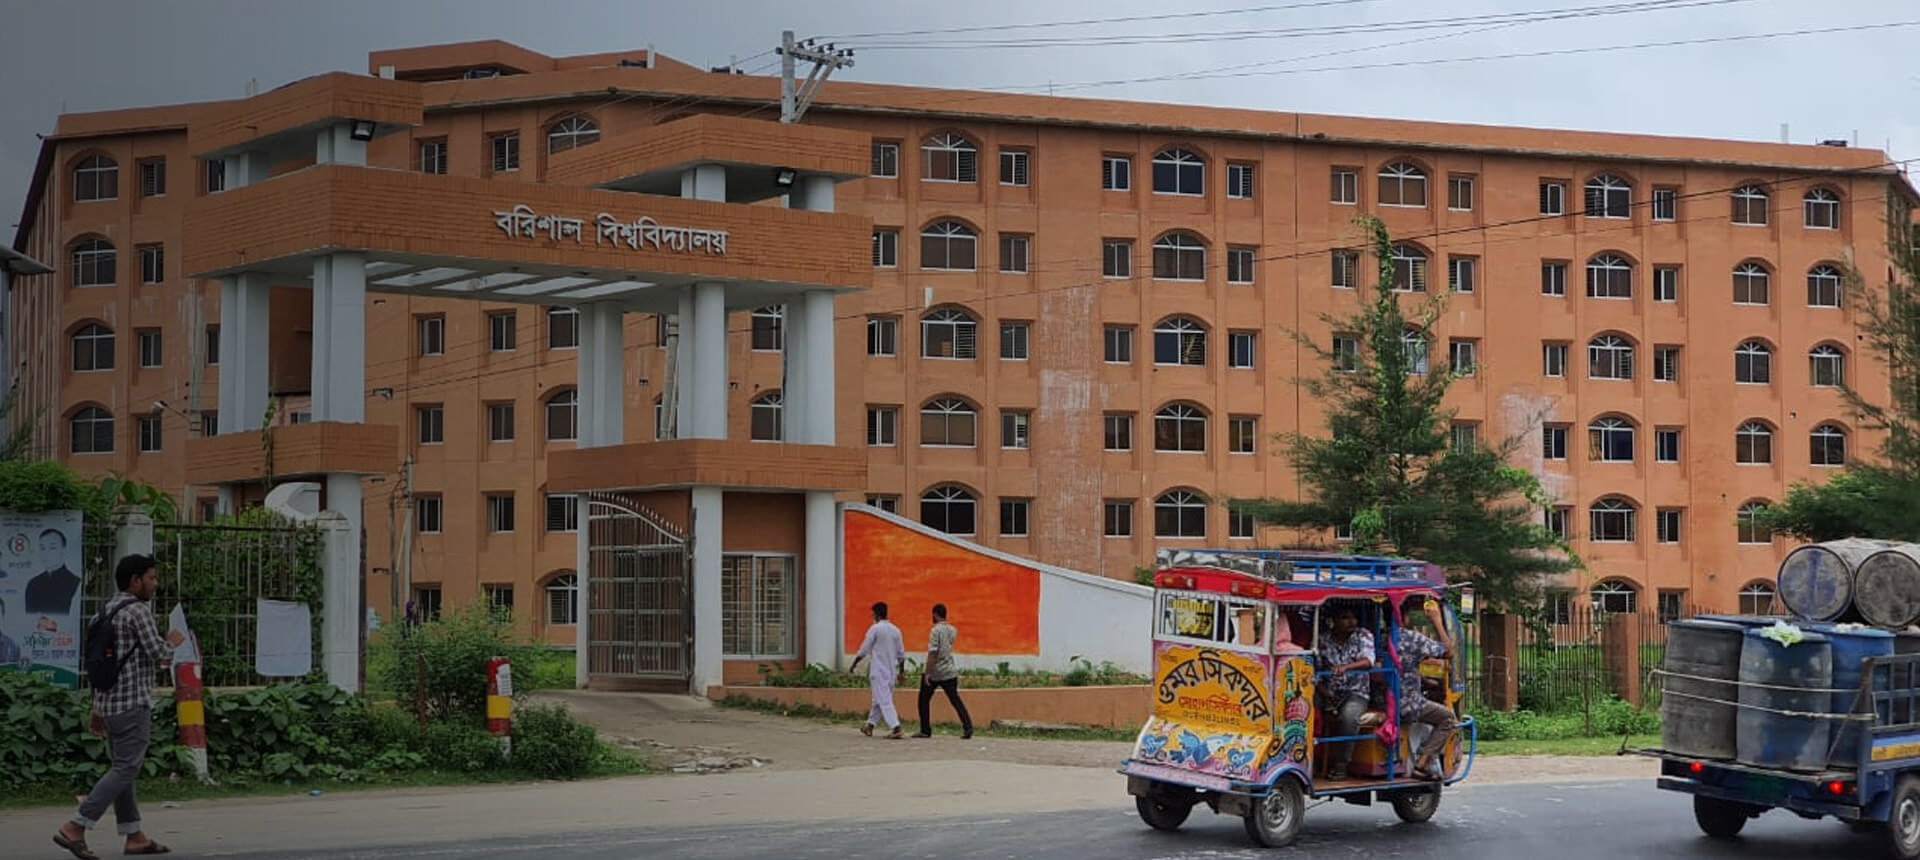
941,673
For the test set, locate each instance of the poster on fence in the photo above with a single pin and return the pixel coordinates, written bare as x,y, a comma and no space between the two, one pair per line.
40,620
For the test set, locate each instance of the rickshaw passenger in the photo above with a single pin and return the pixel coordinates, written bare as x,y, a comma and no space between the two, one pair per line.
1415,647
1347,652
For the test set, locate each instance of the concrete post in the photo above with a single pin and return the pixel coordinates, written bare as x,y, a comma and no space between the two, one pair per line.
704,360
132,533
704,182
797,394
817,365
244,323
339,338
821,574
601,367
335,145
340,610
706,551
246,168
1622,647
1500,660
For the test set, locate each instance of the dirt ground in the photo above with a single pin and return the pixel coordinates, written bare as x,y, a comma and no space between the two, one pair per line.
687,731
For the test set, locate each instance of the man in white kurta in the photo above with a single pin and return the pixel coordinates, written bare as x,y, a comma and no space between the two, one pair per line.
886,653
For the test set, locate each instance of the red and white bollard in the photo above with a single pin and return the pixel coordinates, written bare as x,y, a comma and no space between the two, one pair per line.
191,711
500,702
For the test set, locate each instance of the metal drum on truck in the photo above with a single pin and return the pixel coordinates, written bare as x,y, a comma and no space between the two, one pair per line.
1816,581
1852,646
1886,588
1701,666
1784,697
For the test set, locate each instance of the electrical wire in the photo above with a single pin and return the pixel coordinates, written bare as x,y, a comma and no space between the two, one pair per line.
1127,19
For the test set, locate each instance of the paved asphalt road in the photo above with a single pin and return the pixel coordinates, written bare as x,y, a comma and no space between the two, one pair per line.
1588,821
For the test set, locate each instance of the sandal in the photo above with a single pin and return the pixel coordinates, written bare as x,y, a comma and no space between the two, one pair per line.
867,730
78,847
151,847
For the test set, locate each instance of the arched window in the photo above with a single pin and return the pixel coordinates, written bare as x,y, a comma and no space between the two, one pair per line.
1612,520
1750,205
1753,443
1750,284
96,177
1757,599
1180,427
1179,257
949,333
1747,525
1823,287
948,422
1609,356
768,332
94,263
563,416
948,245
1179,171
1753,363
950,509
1610,440
1609,276
767,422
1403,184
571,133
1180,341
1615,596
90,431
1179,514
1828,366
1823,209
1828,444
563,592
1409,269
1414,344
948,157
93,348
1609,196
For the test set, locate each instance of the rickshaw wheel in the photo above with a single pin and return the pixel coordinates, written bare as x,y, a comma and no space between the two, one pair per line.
1416,807
1273,821
1161,815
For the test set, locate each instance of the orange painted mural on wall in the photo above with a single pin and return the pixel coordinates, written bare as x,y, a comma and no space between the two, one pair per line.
994,603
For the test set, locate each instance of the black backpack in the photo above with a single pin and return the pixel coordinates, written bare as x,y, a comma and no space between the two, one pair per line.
101,657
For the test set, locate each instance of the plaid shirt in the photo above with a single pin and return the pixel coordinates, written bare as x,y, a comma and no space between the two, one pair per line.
137,637
1359,646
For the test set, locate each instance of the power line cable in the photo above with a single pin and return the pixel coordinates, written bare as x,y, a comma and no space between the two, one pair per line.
1126,19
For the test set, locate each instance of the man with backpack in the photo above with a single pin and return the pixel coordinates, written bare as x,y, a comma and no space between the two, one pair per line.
123,652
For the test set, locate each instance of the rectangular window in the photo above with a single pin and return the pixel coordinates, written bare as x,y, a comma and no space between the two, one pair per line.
1461,273
499,512
1013,517
1242,434
149,432
213,345
1119,518
1240,349
1116,173
433,156
1666,364
1346,269
1240,181
1345,186
883,426
563,512
1119,431
1346,353
1556,522
1667,526
1240,525
153,264
883,337
563,328
506,152
1464,355
767,329
890,504
432,334
759,600
1013,167
150,353
210,423
1553,197
886,160
1553,279
427,599
1666,204
1013,253
1013,341
216,172
1553,441
1460,193
1554,358
503,331
500,422
1118,344
499,600
1116,258
886,249
1672,603
153,178
1013,429
1240,265
1666,283
1466,435
430,422
1666,446
426,513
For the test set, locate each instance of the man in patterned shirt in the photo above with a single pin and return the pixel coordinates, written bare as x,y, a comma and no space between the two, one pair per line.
124,713
1415,707
1346,652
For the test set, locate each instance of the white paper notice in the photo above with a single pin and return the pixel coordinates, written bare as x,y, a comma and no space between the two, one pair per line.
188,651
284,642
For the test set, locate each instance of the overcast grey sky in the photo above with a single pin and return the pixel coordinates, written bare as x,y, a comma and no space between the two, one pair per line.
84,55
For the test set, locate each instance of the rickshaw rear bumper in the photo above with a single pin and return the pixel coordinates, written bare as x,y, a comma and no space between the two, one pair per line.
1141,777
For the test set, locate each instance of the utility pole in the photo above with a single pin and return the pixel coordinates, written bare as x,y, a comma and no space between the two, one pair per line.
795,97
405,562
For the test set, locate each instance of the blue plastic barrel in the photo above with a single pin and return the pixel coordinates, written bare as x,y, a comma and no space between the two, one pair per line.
1740,620
1792,678
1851,648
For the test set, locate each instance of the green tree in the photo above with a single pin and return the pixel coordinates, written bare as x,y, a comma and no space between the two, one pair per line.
1390,467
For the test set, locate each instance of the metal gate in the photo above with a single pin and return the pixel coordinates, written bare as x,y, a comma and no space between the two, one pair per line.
639,614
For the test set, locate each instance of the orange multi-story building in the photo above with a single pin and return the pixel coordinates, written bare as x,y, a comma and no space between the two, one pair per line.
1079,336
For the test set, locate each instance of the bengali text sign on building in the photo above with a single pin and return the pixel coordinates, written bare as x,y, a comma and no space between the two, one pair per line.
40,590
640,234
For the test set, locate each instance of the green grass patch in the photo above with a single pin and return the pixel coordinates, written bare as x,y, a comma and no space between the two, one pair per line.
1595,746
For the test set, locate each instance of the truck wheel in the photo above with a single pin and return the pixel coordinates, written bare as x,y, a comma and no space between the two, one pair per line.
1273,821
1162,815
1720,819
1903,820
1416,807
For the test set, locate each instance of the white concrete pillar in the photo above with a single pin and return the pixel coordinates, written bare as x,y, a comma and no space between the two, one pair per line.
795,392
223,502
704,359
340,560
601,368
816,365
706,552
244,324
246,168
339,338
704,182
812,193
335,145
822,574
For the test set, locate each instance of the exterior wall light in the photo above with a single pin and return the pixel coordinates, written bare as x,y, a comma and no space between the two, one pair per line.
362,130
783,177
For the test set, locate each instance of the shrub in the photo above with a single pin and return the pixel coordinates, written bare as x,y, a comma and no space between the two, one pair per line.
455,649
550,744
461,747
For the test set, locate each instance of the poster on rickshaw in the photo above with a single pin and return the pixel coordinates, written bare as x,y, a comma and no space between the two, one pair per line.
1211,712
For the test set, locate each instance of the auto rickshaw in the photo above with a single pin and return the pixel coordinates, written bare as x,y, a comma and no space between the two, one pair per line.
1235,723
